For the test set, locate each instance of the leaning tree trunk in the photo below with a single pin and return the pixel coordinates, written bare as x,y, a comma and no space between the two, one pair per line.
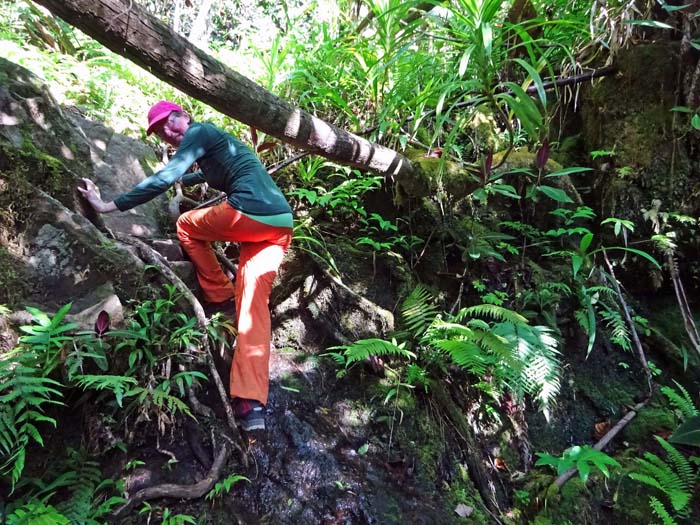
127,29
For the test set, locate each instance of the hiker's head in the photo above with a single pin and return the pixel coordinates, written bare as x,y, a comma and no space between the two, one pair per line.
168,121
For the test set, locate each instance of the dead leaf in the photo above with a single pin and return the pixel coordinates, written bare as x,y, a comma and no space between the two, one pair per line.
601,428
464,511
500,464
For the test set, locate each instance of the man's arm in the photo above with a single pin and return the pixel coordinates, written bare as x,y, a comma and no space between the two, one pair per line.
92,194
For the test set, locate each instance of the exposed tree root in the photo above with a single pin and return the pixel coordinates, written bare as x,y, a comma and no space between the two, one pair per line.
172,490
482,479
155,259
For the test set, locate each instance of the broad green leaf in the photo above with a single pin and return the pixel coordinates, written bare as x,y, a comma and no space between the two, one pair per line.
584,469
695,121
688,433
585,243
576,262
555,194
567,171
535,76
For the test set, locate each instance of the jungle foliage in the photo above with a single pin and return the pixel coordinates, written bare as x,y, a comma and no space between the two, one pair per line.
512,286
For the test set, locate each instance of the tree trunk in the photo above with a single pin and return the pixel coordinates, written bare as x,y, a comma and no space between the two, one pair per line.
127,29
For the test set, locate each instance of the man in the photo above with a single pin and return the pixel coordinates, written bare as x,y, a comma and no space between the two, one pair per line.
255,214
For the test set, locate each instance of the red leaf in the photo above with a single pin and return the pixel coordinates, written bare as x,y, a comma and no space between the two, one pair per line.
488,164
500,464
102,323
254,137
265,146
436,153
542,155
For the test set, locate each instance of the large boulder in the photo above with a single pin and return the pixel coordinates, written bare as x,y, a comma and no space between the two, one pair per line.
33,124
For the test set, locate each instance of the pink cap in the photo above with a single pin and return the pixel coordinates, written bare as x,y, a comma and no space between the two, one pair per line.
160,111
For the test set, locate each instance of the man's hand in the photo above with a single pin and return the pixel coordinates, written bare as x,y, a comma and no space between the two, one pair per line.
92,194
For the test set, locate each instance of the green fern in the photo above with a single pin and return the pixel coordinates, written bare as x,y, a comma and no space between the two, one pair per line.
119,385
224,486
619,333
89,501
536,352
498,313
418,310
681,401
660,510
24,390
674,477
365,348
36,513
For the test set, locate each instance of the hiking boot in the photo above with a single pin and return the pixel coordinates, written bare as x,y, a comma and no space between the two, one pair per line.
250,414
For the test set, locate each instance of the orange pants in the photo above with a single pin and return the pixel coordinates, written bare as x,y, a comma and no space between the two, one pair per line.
262,248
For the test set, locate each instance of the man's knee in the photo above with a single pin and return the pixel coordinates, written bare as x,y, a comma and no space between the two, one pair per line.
181,227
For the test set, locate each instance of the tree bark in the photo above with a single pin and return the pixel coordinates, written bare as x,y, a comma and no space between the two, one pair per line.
127,29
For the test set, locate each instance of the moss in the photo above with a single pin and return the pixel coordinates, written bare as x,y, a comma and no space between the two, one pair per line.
608,396
631,497
435,176
573,503
12,285
650,421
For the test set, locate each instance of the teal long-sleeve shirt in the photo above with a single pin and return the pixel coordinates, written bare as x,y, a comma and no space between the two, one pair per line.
226,164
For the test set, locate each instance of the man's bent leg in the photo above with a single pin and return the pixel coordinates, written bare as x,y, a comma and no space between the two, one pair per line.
196,229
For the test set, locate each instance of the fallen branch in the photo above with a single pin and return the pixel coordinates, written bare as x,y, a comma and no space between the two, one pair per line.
607,438
630,323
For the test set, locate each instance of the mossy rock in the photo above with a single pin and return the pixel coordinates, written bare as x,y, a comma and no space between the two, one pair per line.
631,114
648,422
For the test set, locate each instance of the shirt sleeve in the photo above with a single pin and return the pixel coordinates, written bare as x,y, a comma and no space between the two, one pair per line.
190,179
193,147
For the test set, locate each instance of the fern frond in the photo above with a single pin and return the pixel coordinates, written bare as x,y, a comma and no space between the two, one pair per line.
674,478
418,310
24,390
465,354
119,385
619,332
497,313
417,375
536,353
681,400
36,513
660,510
364,348
680,464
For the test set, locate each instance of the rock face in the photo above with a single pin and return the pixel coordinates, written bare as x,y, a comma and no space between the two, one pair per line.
50,253
652,148
33,124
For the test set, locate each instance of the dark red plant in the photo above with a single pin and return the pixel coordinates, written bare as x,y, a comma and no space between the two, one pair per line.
488,164
436,153
542,155
102,323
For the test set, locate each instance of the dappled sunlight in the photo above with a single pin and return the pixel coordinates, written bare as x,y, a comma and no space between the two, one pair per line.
293,125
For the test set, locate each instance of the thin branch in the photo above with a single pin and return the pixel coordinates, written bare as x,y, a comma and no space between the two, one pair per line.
607,438
630,323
